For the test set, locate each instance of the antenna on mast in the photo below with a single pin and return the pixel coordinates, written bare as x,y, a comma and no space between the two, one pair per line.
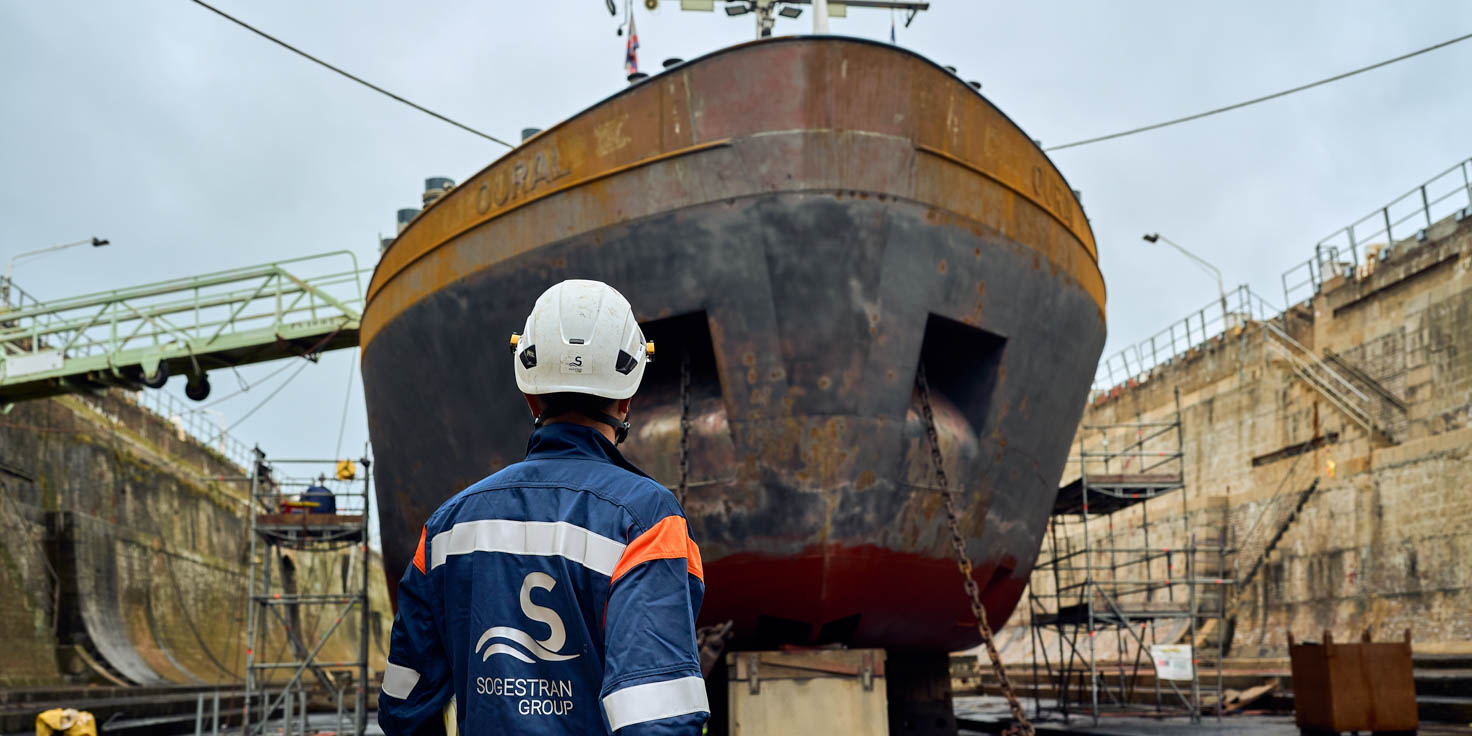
767,10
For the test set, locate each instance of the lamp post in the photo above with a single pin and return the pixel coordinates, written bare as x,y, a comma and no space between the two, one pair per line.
1215,272
95,242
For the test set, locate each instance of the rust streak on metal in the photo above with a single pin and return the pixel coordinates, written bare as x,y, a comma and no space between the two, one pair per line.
1045,205
825,142
378,284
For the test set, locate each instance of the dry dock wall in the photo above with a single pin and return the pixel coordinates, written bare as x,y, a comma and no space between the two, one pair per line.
1384,543
123,553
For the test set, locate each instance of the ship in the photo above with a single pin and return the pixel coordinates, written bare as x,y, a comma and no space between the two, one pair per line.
799,224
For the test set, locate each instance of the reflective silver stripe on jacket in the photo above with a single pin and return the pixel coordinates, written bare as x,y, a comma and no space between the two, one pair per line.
399,681
541,538
655,700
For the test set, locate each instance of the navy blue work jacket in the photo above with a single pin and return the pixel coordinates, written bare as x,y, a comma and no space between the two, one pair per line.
557,596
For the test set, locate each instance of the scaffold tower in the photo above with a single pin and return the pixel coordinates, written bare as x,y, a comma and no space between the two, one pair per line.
323,517
1119,622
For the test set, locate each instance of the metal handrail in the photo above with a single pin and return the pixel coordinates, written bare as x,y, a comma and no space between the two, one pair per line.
193,423
120,332
90,324
1313,370
1438,197
1314,360
1232,311
128,329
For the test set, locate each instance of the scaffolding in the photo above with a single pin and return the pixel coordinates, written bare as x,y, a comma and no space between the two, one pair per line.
1109,611
282,521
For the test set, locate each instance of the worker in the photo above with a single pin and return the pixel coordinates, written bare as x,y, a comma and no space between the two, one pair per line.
559,595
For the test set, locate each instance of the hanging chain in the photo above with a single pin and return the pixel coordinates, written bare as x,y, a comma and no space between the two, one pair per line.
684,427
963,561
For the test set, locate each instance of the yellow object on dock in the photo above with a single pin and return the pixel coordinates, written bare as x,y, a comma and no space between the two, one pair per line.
66,722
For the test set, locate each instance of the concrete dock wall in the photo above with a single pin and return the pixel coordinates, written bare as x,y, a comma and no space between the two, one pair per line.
1384,543
123,553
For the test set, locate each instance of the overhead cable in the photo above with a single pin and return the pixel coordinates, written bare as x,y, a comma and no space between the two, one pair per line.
343,424
269,396
1256,100
312,351
248,387
347,74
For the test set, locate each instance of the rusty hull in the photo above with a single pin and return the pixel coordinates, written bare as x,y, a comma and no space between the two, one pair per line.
806,218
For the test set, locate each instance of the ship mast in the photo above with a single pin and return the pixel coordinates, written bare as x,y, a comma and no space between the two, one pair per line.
766,11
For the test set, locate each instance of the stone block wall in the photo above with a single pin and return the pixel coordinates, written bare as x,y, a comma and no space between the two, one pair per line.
123,552
1385,539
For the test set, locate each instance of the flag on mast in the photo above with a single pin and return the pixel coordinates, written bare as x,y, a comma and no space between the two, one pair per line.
891,26
631,52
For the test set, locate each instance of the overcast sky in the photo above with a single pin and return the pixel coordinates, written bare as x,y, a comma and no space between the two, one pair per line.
196,146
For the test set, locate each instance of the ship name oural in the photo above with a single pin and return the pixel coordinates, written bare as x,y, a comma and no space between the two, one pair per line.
1052,195
520,178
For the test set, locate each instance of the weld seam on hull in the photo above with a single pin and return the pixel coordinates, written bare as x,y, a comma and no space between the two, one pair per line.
921,147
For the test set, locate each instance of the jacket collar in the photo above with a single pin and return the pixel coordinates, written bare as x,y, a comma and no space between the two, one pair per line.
568,441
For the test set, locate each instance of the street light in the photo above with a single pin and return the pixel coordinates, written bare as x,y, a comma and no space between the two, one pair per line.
95,242
1220,290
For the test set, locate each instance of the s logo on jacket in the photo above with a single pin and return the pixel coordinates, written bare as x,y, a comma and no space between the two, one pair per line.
545,649
557,596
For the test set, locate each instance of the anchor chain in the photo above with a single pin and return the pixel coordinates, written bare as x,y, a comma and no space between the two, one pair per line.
710,641
963,561
684,427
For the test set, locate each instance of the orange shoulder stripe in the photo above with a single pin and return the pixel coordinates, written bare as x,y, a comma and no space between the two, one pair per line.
419,552
692,559
667,540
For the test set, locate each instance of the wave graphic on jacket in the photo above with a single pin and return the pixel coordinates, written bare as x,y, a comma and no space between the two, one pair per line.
545,649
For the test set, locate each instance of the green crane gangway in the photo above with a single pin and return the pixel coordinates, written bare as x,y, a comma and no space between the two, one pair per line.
141,336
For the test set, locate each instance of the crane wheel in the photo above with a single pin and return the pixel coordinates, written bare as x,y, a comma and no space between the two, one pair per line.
159,378
198,387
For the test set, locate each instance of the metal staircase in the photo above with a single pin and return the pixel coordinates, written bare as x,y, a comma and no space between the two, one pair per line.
1363,408
140,336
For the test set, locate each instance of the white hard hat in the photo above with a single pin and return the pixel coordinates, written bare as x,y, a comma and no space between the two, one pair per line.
581,337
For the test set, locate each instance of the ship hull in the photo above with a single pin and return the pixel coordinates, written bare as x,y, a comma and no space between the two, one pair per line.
798,271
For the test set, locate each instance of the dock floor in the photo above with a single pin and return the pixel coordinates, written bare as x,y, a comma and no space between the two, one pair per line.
980,714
